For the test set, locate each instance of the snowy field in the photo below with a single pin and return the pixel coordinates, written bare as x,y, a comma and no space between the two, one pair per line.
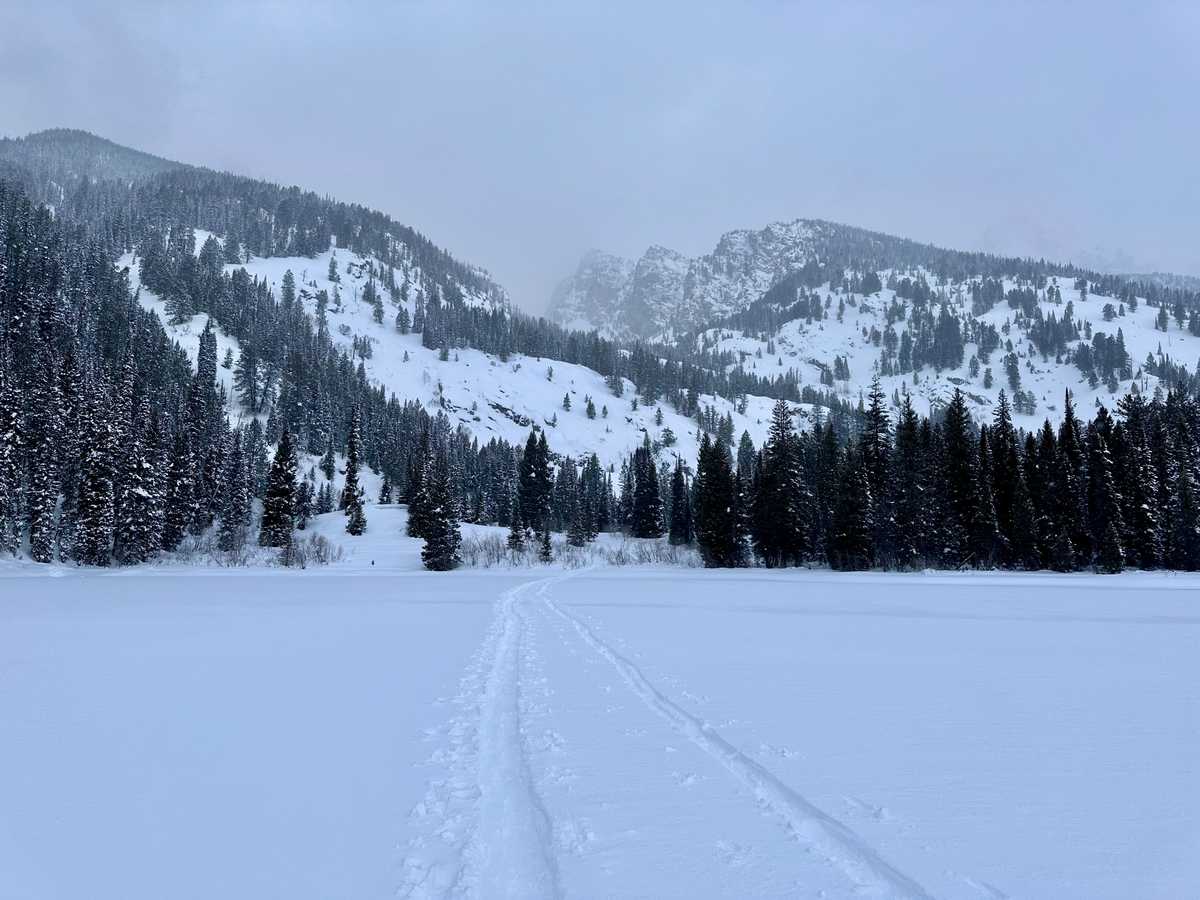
598,733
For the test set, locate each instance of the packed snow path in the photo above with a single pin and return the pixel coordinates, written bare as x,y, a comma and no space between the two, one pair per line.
834,841
510,850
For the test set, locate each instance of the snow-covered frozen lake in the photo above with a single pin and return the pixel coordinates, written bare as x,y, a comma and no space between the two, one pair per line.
606,733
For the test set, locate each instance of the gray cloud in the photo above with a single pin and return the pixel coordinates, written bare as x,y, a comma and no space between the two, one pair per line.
519,135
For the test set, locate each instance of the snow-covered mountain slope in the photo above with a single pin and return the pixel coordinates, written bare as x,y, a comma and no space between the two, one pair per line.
859,328
489,397
665,290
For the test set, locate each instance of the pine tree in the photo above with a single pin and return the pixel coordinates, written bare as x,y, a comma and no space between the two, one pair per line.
1062,553
776,514
235,503
958,481
1110,558
385,492
352,492
9,539
850,546
534,482
1104,503
137,534
279,504
681,531
545,553
304,504
646,515
982,525
94,533
180,505
716,525
907,488
516,531
328,464
442,534
418,490
325,499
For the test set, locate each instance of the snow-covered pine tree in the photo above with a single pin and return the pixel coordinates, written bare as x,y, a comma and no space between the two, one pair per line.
646,513
352,493
716,526
94,531
304,503
442,534
777,494
235,499
516,530
328,465
850,546
279,503
180,505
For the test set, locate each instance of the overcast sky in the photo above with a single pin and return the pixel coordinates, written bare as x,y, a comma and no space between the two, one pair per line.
520,135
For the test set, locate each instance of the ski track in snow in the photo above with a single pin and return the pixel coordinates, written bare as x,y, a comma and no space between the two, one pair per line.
496,839
825,835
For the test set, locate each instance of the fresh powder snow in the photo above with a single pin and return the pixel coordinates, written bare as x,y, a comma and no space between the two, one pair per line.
368,729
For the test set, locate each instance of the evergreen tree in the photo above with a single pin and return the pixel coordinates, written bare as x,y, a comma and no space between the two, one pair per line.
716,525
235,501
534,482
442,534
279,504
352,492
647,508
94,534
907,488
681,531
180,505
982,525
958,480
304,504
850,545
329,462
516,531
1110,558
419,508
776,513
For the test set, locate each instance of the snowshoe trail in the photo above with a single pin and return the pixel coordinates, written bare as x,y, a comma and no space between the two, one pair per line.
486,832
824,835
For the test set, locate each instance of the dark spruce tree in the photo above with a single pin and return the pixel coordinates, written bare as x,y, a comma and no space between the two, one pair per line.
279,504
715,509
235,499
646,514
681,531
850,545
777,495
352,493
442,534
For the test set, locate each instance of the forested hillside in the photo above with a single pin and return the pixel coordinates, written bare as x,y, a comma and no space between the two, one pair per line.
195,362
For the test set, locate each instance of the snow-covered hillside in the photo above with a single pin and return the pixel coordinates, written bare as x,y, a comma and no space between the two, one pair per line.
856,329
665,290
489,397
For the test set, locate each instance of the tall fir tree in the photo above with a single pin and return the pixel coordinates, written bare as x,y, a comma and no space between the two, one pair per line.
442,534
352,493
279,503
681,531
